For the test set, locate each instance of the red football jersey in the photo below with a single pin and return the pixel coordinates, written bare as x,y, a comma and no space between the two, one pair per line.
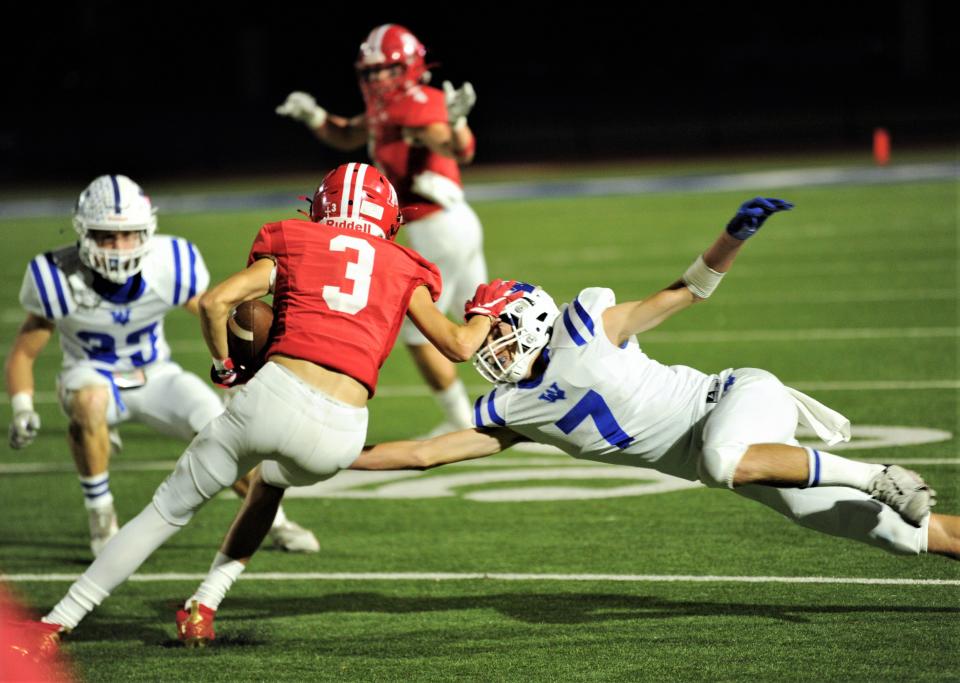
340,294
398,160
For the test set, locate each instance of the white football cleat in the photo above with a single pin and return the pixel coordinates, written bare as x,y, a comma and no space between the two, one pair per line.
103,527
293,538
905,491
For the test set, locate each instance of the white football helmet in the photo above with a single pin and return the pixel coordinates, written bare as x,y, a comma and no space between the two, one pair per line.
114,203
531,318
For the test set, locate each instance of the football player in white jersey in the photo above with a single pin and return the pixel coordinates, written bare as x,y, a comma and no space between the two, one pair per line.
107,296
576,378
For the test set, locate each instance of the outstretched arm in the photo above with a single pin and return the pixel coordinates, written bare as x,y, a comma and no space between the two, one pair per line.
466,444
456,342
627,319
337,131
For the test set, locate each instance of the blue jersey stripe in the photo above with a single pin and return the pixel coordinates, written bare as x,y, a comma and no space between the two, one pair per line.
176,271
477,419
55,274
584,316
492,409
38,279
571,330
192,292
816,467
116,194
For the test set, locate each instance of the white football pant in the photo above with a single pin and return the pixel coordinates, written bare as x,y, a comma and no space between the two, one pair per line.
299,434
173,402
758,409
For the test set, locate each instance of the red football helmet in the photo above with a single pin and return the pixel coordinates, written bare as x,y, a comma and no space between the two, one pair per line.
357,196
391,60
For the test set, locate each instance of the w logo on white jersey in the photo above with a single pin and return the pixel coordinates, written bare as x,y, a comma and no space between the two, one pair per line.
553,394
121,317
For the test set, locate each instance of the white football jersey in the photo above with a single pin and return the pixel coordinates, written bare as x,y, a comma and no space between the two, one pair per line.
113,331
597,401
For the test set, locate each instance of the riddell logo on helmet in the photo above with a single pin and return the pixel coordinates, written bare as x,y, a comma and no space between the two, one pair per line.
362,226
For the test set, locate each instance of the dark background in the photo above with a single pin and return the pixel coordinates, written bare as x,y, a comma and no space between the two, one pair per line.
181,90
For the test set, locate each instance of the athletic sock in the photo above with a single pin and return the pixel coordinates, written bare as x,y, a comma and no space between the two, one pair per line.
120,558
455,405
96,491
223,573
827,469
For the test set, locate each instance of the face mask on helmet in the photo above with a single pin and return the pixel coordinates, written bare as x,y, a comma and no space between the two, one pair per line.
513,344
391,60
115,221
356,196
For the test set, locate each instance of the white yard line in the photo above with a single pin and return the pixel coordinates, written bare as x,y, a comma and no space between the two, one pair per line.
810,334
419,390
506,461
493,576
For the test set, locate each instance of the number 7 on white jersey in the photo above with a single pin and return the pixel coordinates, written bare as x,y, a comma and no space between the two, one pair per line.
358,272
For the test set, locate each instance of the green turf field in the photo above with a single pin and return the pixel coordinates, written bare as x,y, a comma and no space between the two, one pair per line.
852,297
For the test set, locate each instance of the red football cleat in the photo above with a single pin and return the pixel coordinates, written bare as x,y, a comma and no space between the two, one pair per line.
34,640
195,628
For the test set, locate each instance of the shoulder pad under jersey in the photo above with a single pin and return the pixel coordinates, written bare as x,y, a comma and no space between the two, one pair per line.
45,290
490,410
581,322
175,270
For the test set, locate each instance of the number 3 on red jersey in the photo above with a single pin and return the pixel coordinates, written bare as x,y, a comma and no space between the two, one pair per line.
359,272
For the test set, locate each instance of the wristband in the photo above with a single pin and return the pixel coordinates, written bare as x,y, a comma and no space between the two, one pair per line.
701,279
459,124
22,402
223,365
468,149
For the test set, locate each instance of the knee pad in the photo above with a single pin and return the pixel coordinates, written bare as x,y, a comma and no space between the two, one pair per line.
718,463
188,487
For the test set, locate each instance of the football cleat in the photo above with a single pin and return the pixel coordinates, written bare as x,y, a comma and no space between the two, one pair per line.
195,628
35,640
293,538
905,491
103,527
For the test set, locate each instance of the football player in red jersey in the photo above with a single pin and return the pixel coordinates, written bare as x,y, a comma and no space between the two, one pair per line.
341,288
417,135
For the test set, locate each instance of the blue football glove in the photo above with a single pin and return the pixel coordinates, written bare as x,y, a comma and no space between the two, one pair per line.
751,215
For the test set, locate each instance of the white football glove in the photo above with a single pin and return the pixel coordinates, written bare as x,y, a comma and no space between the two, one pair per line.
459,102
302,107
24,428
